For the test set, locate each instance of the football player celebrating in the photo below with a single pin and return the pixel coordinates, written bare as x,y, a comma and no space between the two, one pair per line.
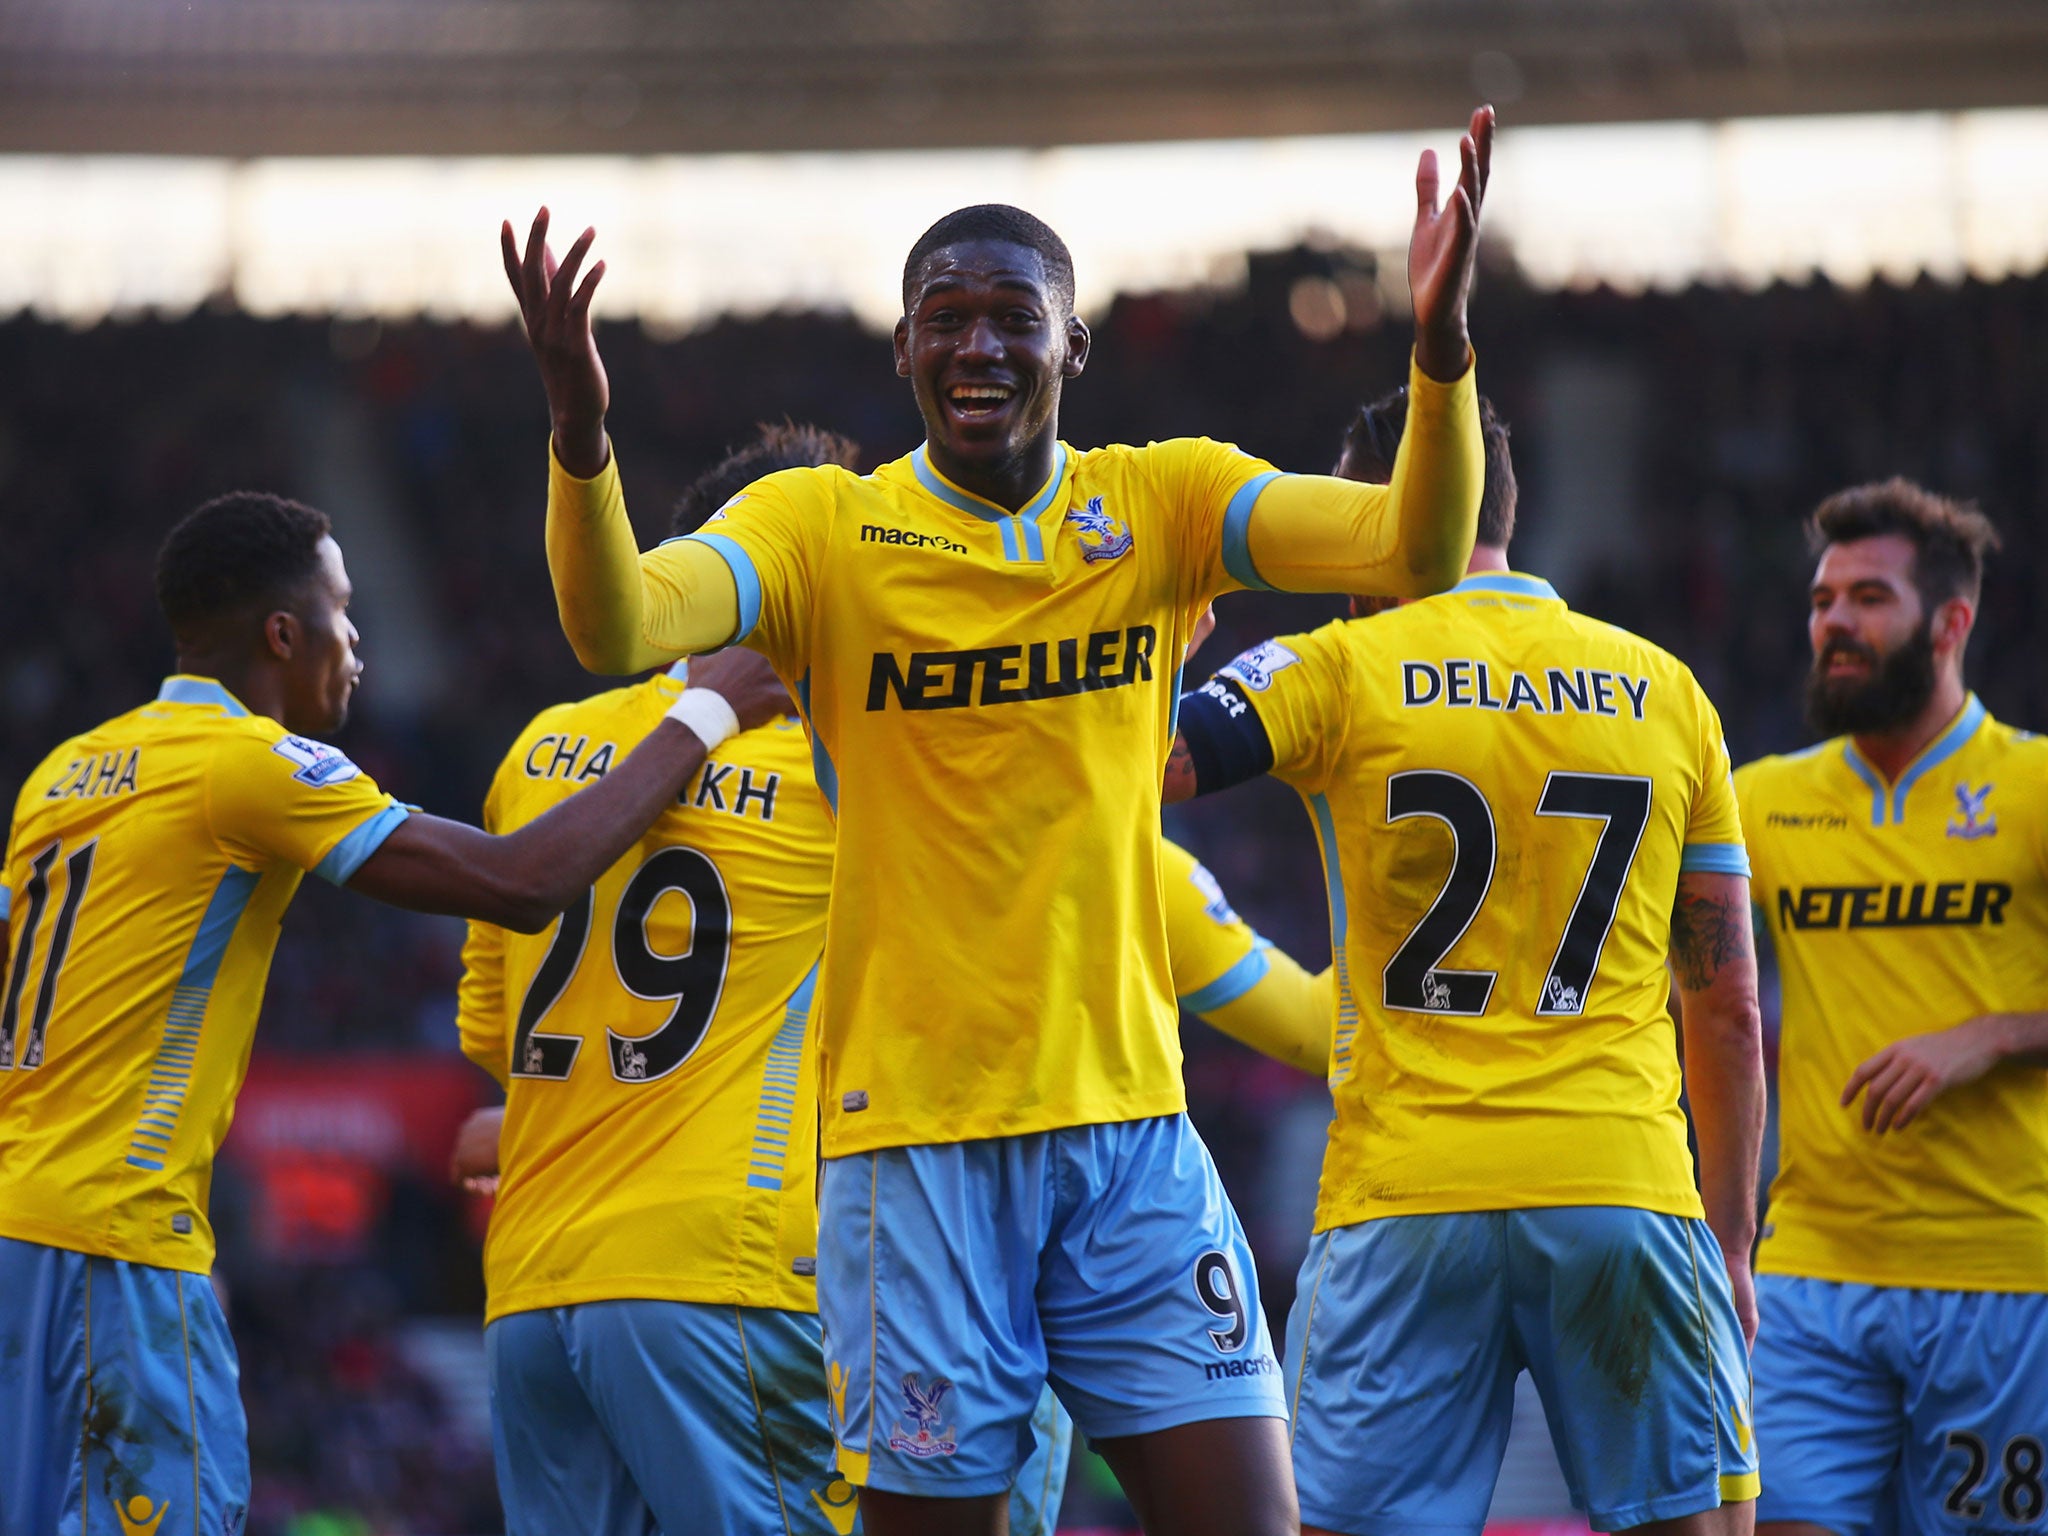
148,864
1902,870
1522,814
984,639
651,1322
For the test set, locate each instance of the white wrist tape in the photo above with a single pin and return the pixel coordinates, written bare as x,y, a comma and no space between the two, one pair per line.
707,714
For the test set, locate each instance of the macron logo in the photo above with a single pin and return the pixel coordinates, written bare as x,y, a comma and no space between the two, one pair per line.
909,538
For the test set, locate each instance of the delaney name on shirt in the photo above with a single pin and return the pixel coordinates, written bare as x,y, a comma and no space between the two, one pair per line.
1462,684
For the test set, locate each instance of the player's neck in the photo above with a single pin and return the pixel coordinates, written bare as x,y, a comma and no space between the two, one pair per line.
1487,558
260,689
1889,752
1010,482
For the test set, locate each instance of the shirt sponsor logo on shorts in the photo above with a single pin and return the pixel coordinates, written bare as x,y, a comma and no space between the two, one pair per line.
1223,1370
839,1504
139,1515
932,1437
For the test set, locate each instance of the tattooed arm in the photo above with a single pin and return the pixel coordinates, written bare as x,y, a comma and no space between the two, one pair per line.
1714,959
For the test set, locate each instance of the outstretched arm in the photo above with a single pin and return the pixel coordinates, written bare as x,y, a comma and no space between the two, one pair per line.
523,879
1714,958
1413,536
1288,1015
613,600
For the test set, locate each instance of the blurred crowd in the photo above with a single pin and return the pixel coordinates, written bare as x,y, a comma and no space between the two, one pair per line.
1736,413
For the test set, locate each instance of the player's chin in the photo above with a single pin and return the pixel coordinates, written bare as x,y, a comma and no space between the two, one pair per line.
973,432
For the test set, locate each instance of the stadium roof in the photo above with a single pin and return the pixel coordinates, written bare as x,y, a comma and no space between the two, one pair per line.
513,77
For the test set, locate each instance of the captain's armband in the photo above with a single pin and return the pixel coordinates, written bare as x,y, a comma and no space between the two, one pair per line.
1226,739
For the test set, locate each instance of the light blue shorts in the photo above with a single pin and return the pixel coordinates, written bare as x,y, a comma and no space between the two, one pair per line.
614,1417
956,1280
1879,1401
1042,1480
1408,1333
119,1403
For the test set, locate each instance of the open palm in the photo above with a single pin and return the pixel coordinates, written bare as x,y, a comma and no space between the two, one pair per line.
556,311
1443,249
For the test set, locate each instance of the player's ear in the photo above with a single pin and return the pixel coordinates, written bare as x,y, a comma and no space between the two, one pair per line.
1078,341
1952,622
902,341
281,634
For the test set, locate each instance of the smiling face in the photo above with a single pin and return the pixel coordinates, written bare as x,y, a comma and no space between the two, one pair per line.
317,645
1876,647
986,345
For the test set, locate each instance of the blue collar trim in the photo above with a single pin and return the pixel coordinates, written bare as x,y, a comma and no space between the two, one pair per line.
1939,751
1509,581
1870,779
1946,746
974,506
183,689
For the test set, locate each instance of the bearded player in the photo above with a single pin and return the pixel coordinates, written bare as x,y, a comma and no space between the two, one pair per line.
1902,870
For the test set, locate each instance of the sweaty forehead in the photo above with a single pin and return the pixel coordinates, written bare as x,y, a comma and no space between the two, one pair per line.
982,264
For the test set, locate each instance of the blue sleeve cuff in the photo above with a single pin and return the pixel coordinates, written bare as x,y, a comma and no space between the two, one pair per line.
6,903
347,856
744,577
1237,530
1232,984
1714,859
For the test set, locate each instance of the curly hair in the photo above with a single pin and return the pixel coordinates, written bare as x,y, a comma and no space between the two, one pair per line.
1950,538
998,222
244,552
776,446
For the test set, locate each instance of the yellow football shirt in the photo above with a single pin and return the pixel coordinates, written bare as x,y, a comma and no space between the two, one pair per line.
1227,975
660,1138
1897,909
148,865
991,698
1505,793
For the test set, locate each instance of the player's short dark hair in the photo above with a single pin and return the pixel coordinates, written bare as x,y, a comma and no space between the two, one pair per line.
994,221
1374,437
776,446
245,552
1950,538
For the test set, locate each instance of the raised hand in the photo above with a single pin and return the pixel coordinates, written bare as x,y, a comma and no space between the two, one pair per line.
1443,249
557,315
